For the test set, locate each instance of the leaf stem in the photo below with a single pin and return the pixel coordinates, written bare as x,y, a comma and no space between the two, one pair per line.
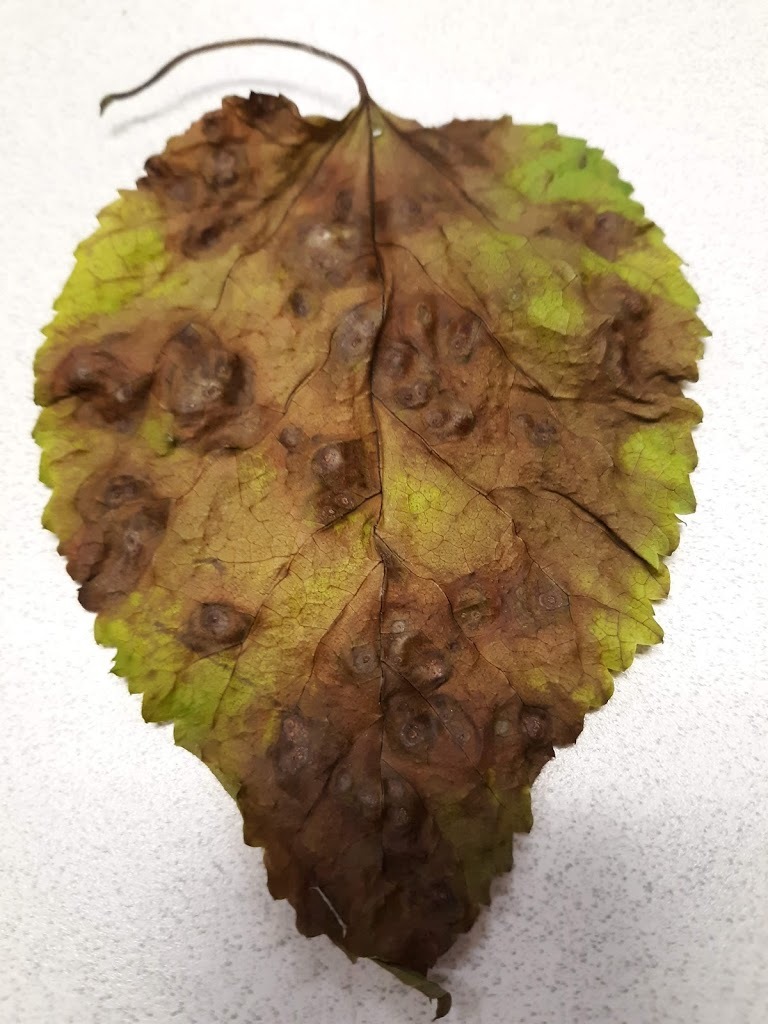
289,44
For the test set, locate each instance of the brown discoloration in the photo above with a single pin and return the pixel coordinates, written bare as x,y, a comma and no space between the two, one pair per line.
448,418
123,523
541,432
475,604
605,232
355,334
618,340
303,755
299,303
215,627
110,390
345,472
364,659
418,660
410,724
200,382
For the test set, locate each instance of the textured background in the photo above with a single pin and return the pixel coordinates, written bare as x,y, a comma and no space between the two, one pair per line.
126,895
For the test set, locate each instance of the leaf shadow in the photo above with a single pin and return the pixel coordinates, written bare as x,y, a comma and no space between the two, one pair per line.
320,99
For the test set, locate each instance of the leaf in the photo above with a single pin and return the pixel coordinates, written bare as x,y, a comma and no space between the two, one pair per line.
366,443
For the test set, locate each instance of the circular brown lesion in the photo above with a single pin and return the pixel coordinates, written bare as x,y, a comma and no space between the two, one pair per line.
461,337
225,168
343,472
215,626
605,232
628,319
298,303
364,661
448,418
110,389
457,721
418,660
410,724
476,603
354,335
540,431
123,522
200,382
403,814
304,754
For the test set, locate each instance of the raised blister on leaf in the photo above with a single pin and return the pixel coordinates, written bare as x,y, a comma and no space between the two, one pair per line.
366,443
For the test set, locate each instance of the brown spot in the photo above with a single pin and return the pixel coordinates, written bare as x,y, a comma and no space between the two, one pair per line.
356,791
461,338
356,332
291,437
214,126
215,627
627,307
628,313
342,206
177,185
292,753
122,489
473,607
540,432
199,381
425,316
199,240
330,250
303,755
365,660
396,357
334,506
297,300
261,106
112,390
417,659
449,418
223,167
609,233
414,395
399,213
458,723
403,813
533,602
606,233
116,544
410,724
444,902
329,463
343,473
534,723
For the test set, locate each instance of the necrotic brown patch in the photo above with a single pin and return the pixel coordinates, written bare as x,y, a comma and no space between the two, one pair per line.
344,471
418,660
303,755
123,523
356,331
111,390
200,381
215,627
410,724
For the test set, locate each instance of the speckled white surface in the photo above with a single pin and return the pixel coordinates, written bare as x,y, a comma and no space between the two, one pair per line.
641,897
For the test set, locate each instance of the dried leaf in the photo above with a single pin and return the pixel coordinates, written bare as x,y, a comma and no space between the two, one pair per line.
366,441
